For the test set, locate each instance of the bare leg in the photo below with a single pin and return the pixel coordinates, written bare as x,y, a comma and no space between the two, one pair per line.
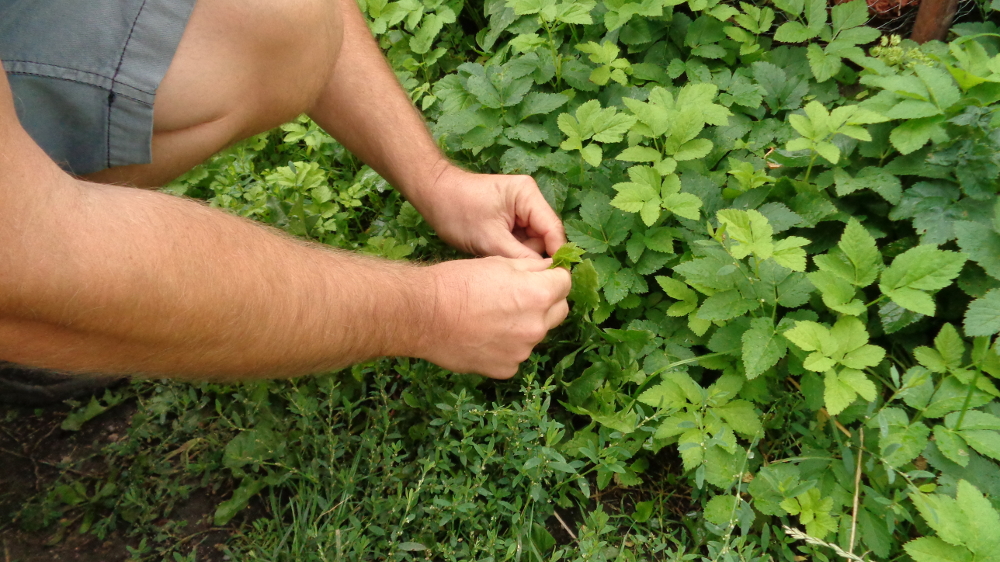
242,67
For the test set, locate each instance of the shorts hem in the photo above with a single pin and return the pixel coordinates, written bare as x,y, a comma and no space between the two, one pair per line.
148,52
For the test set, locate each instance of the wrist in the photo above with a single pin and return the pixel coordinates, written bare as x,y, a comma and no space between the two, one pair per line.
416,322
423,187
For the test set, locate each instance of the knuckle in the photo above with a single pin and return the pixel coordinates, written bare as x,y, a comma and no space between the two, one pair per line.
536,333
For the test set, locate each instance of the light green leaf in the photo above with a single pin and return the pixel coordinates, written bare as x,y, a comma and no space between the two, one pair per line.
906,440
987,442
983,316
859,383
837,293
915,133
823,65
592,154
666,395
693,149
639,154
973,419
678,290
684,205
924,268
810,336
584,289
828,151
750,229
859,248
789,253
794,32
864,356
567,254
740,415
933,549
951,445
725,306
818,362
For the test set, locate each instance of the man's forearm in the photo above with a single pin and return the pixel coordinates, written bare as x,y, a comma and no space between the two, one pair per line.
366,109
113,279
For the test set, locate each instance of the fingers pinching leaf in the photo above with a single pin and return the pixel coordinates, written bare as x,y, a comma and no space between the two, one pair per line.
568,254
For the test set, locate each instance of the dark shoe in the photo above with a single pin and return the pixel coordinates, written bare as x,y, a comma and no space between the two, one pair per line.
26,386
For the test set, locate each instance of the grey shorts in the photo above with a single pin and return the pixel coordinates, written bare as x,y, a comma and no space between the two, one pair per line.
84,74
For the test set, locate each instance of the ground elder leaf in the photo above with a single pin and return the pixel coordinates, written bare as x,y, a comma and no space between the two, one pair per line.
983,316
981,243
809,336
789,253
725,306
567,254
933,549
763,347
584,289
750,229
924,268
779,216
837,293
740,415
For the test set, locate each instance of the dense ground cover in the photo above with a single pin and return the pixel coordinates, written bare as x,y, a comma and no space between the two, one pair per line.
783,332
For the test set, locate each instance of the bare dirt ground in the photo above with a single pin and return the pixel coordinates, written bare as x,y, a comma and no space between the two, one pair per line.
32,448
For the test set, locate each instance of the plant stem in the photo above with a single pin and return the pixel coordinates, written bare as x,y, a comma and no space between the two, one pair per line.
968,399
810,168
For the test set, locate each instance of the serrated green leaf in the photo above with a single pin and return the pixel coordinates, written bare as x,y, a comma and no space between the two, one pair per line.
983,316
924,268
930,359
986,442
789,253
639,154
684,205
859,383
725,306
951,445
751,230
915,133
933,549
981,243
873,178
693,149
584,289
864,356
740,415
810,336
763,347
906,441
567,254
837,293
592,154
632,196
837,394
823,65
794,32
849,14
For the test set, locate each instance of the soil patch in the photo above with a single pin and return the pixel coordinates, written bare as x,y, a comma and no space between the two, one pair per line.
34,452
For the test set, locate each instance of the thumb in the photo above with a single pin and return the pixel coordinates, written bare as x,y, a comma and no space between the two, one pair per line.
559,280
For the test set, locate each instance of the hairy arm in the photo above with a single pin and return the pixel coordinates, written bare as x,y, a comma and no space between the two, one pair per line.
366,109
108,279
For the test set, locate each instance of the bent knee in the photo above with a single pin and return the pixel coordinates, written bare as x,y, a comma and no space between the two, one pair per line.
252,64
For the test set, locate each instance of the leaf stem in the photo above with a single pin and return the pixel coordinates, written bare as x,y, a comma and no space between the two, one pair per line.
811,162
968,400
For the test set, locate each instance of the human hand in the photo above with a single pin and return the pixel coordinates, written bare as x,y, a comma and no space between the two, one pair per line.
490,313
490,214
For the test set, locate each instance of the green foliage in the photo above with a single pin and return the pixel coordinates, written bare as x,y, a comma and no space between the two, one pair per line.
787,276
764,257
